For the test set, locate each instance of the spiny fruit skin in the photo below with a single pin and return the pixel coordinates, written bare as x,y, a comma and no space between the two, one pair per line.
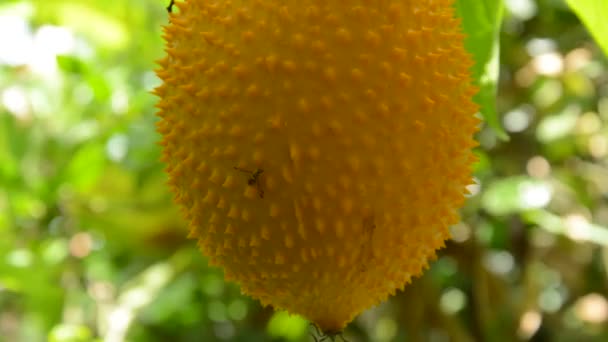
319,148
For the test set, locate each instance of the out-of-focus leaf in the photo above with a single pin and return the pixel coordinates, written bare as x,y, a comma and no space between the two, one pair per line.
574,227
483,164
557,126
70,333
516,194
141,290
593,14
290,327
70,64
171,302
54,251
99,85
82,16
481,20
86,166
12,146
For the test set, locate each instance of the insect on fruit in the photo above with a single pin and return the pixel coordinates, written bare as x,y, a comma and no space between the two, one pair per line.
326,335
254,179
170,7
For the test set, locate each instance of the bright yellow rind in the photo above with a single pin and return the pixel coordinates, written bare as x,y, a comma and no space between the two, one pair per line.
357,117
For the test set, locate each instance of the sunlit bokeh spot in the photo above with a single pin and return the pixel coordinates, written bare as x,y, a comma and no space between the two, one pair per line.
538,167
539,46
589,123
81,245
522,9
15,48
49,42
516,120
577,227
217,311
499,262
452,301
237,310
16,101
55,251
592,308
101,291
120,101
529,323
386,329
535,195
558,125
577,59
551,299
598,145
549,92
460,232
548,64
213,285
19,258
117,147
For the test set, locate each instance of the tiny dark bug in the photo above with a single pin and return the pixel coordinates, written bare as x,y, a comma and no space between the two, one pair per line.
254,179
170,7
323,336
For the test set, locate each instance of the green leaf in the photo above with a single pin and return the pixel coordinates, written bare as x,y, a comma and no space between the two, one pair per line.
289,327
86,166
481,20
70,64
12,146
593,15
579,230
516,194
70,333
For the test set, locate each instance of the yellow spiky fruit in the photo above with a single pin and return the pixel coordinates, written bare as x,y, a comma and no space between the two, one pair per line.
319,148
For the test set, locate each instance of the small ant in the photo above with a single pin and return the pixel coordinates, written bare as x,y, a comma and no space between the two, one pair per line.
254,179
325,336
170,7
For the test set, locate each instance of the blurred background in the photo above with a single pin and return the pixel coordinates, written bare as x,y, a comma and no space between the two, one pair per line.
92,248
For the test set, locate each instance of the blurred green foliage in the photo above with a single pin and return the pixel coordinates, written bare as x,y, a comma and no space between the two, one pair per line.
592,13
481,20
92,248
